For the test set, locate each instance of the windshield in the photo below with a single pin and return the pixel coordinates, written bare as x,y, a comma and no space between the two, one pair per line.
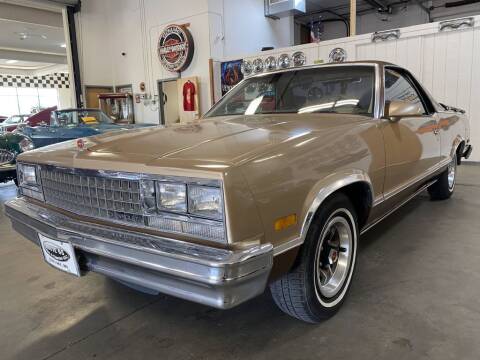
72,118
15,119
336,89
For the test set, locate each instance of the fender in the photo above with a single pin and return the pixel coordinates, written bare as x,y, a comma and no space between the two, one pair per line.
319,193
456,143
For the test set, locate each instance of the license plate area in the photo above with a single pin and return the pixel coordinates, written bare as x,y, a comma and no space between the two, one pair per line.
59,254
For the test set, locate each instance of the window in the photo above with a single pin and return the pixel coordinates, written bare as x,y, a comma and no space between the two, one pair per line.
14,101
27,99
48,97
398,88
8,101
331,89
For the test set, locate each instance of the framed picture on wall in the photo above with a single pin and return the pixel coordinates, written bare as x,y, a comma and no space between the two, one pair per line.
231,74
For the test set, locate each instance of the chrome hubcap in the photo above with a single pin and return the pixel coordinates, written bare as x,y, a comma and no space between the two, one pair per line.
451,175
334,256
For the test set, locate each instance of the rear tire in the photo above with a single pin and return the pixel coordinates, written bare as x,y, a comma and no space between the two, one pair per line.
315,289
445,186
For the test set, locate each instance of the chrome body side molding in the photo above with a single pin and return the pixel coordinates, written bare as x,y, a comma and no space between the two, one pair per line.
415,180
336,184
325,192
424,187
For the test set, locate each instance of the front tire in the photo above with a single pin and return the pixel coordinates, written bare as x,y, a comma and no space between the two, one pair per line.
445,186
316,287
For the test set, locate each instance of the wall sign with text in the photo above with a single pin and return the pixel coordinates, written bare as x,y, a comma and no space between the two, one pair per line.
175,48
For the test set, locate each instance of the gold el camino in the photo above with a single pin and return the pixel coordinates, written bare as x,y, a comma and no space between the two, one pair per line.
273,187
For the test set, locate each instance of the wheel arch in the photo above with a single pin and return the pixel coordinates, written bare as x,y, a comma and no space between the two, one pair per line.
356,184
348,183
458,145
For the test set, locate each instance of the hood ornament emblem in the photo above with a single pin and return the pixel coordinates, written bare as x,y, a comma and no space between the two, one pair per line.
81,145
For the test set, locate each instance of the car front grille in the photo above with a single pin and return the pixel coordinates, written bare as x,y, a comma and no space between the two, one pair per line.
93,195
6,156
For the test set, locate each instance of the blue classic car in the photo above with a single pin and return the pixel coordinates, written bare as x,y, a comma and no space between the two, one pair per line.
72,124
64,125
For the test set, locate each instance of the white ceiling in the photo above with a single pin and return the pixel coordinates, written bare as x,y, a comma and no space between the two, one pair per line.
39,38
24,65
32,36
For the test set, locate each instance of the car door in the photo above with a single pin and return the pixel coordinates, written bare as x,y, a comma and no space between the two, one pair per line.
412,144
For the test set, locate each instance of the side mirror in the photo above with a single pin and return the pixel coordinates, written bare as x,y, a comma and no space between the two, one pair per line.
395,110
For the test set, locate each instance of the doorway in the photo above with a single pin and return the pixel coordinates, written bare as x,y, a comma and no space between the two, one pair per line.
91,95
168,102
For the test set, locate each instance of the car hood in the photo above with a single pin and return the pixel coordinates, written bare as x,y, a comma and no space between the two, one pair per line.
224,140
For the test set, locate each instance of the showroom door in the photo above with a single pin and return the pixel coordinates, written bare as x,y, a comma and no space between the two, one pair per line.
168,103
91,95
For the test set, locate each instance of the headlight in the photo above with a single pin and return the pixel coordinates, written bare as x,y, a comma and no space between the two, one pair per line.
172,197
205,202
26,144
27,175
28,181
284,61
191,209
299,58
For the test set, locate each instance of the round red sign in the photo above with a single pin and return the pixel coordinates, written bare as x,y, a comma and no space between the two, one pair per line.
175,48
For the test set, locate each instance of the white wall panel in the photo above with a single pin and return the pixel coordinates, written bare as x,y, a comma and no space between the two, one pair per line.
474,109
428,61
464,78
447,63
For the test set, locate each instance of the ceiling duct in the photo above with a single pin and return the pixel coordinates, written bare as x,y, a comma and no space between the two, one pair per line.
282,8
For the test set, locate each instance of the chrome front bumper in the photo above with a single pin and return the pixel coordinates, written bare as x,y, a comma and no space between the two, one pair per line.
216,277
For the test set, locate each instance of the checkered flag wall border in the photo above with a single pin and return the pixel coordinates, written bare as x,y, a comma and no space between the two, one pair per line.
55,81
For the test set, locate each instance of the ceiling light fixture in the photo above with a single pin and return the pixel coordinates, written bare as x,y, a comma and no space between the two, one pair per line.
11,61
63,46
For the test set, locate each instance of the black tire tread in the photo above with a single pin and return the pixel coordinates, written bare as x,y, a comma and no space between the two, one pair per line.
439,190
288,292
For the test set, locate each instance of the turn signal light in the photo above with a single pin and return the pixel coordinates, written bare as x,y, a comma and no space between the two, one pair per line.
285,222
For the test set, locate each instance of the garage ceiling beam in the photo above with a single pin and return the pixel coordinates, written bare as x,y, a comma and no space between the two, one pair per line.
23,14
378,4
24,55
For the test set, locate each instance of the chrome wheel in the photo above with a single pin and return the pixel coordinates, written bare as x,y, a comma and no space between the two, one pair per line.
333,256
452,169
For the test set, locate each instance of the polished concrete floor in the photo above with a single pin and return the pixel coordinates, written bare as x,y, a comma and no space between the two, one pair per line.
416,295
